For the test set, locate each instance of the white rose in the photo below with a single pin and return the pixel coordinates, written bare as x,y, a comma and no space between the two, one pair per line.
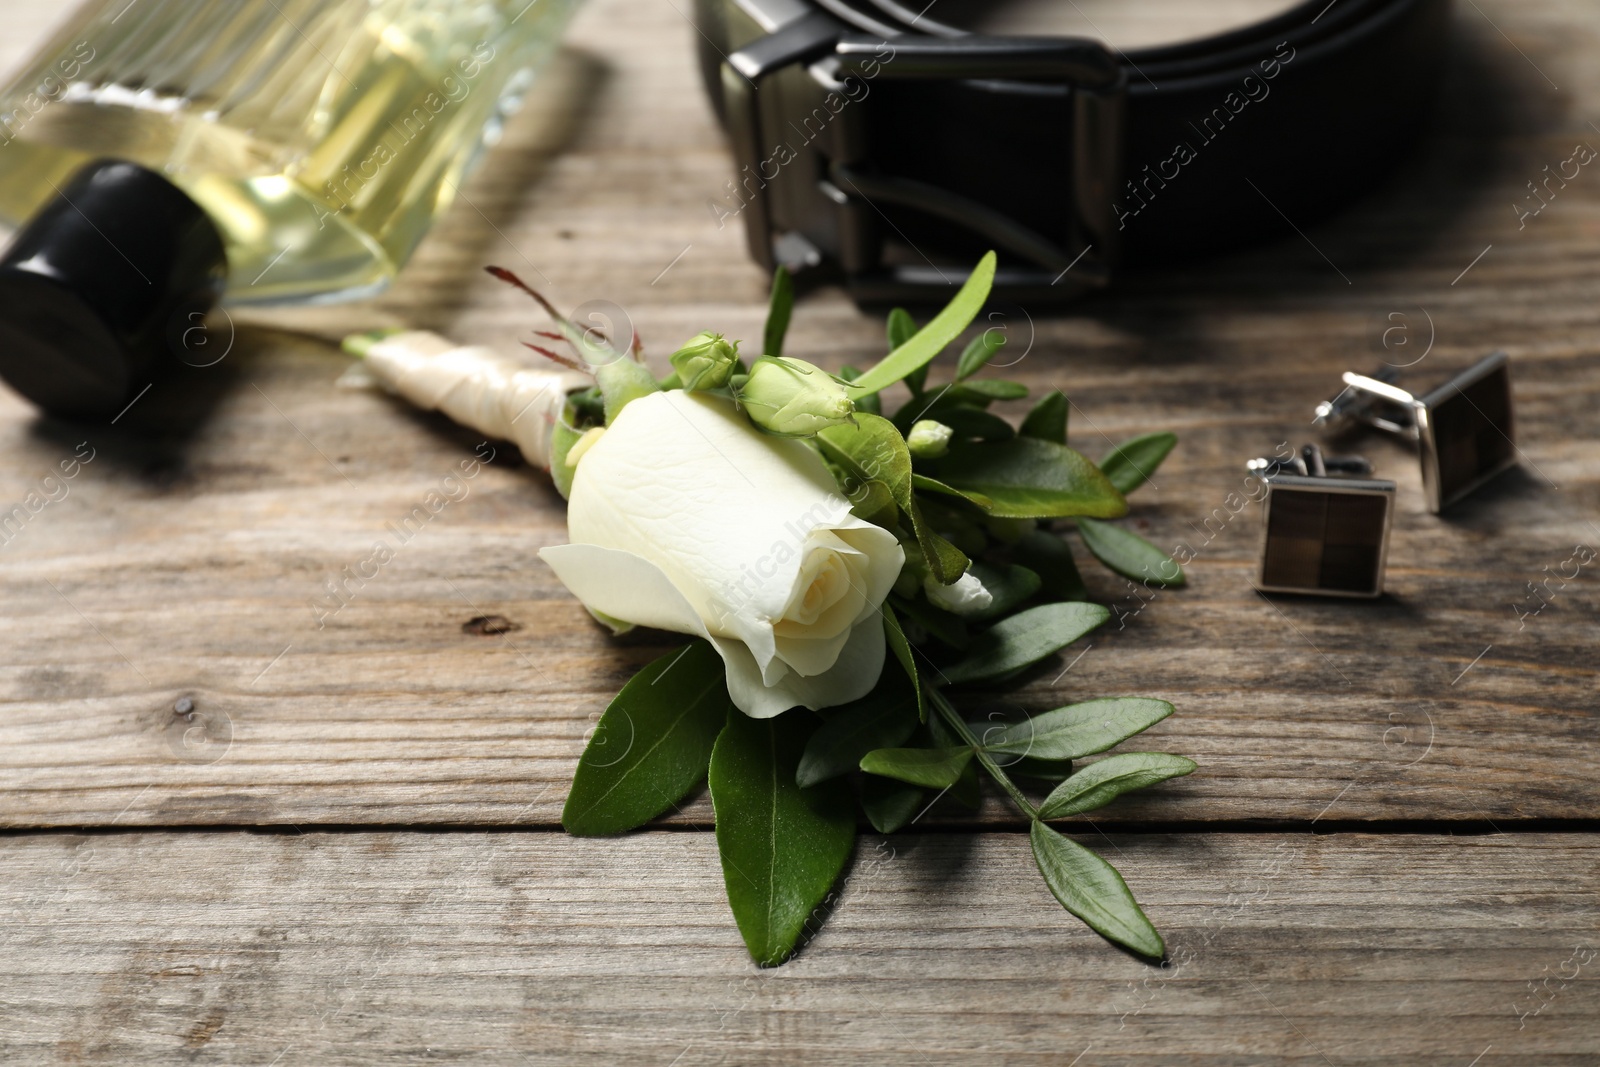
685,517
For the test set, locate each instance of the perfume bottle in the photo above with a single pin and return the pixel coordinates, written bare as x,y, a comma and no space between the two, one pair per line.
312,142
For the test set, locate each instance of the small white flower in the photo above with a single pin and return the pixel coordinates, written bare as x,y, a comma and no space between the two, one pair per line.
966,596
929,439
685,517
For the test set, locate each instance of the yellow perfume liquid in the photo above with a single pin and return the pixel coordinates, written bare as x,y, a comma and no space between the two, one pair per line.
323,137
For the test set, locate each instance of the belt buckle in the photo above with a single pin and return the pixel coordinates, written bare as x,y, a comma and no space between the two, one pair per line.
821,214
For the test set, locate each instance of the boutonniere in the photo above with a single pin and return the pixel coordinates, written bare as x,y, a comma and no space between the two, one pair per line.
850,577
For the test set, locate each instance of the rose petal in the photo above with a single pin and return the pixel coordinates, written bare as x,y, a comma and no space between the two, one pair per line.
622,585
851,677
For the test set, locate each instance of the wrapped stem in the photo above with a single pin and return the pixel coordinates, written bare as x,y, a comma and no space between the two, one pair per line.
496,394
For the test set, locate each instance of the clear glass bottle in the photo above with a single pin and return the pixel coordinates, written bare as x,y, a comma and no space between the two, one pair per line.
322,137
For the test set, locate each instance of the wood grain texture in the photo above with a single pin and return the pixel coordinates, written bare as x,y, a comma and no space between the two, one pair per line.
533,948
185,562
186,559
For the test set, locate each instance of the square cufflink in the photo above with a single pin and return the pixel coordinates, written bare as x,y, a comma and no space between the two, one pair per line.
1323,534
1465,429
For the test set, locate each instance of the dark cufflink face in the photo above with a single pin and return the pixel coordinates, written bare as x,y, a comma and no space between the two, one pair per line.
1325,536
1466,431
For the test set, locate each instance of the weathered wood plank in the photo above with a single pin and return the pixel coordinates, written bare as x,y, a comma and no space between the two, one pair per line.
185,560
535,948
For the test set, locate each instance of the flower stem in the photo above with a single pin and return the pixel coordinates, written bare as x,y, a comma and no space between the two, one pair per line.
959,725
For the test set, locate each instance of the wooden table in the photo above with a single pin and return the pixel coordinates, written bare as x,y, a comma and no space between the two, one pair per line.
349,850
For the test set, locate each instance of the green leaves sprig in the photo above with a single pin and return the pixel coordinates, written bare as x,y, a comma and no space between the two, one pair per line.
785,790
944,505
783,797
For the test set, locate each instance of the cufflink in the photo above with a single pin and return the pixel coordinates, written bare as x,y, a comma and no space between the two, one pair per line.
1464,428
1324,525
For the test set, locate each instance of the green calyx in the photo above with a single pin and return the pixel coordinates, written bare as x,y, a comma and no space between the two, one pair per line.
622,381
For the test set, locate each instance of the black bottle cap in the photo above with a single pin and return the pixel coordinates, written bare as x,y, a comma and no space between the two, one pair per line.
102,286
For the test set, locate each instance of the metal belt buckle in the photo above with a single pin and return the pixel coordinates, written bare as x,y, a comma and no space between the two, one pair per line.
820,207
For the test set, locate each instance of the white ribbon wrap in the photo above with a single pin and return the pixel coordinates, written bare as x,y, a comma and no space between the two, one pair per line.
495,394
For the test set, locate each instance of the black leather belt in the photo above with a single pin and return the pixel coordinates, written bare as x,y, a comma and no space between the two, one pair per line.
888,149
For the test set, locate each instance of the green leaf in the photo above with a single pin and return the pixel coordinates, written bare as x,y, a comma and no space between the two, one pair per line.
1007,583
1032,479
944,625
778,312
946,562
1025,638
1091,889
1048,556
935,768
651,745
967,532
889,804
873,502
901,648
941,732
967,791
979,351
995,389
933,485
1105,780
782,847
950,394
883,718
1131,463
1048,419
1078,729
901,327
932,338
871,449
968,422
1129,554
959,408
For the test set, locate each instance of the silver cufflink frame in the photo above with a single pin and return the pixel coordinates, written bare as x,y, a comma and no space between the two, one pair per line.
1465,429
1324,526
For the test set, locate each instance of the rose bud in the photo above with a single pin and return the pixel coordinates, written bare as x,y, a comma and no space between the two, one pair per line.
791,398
929,439
706,361
966,597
